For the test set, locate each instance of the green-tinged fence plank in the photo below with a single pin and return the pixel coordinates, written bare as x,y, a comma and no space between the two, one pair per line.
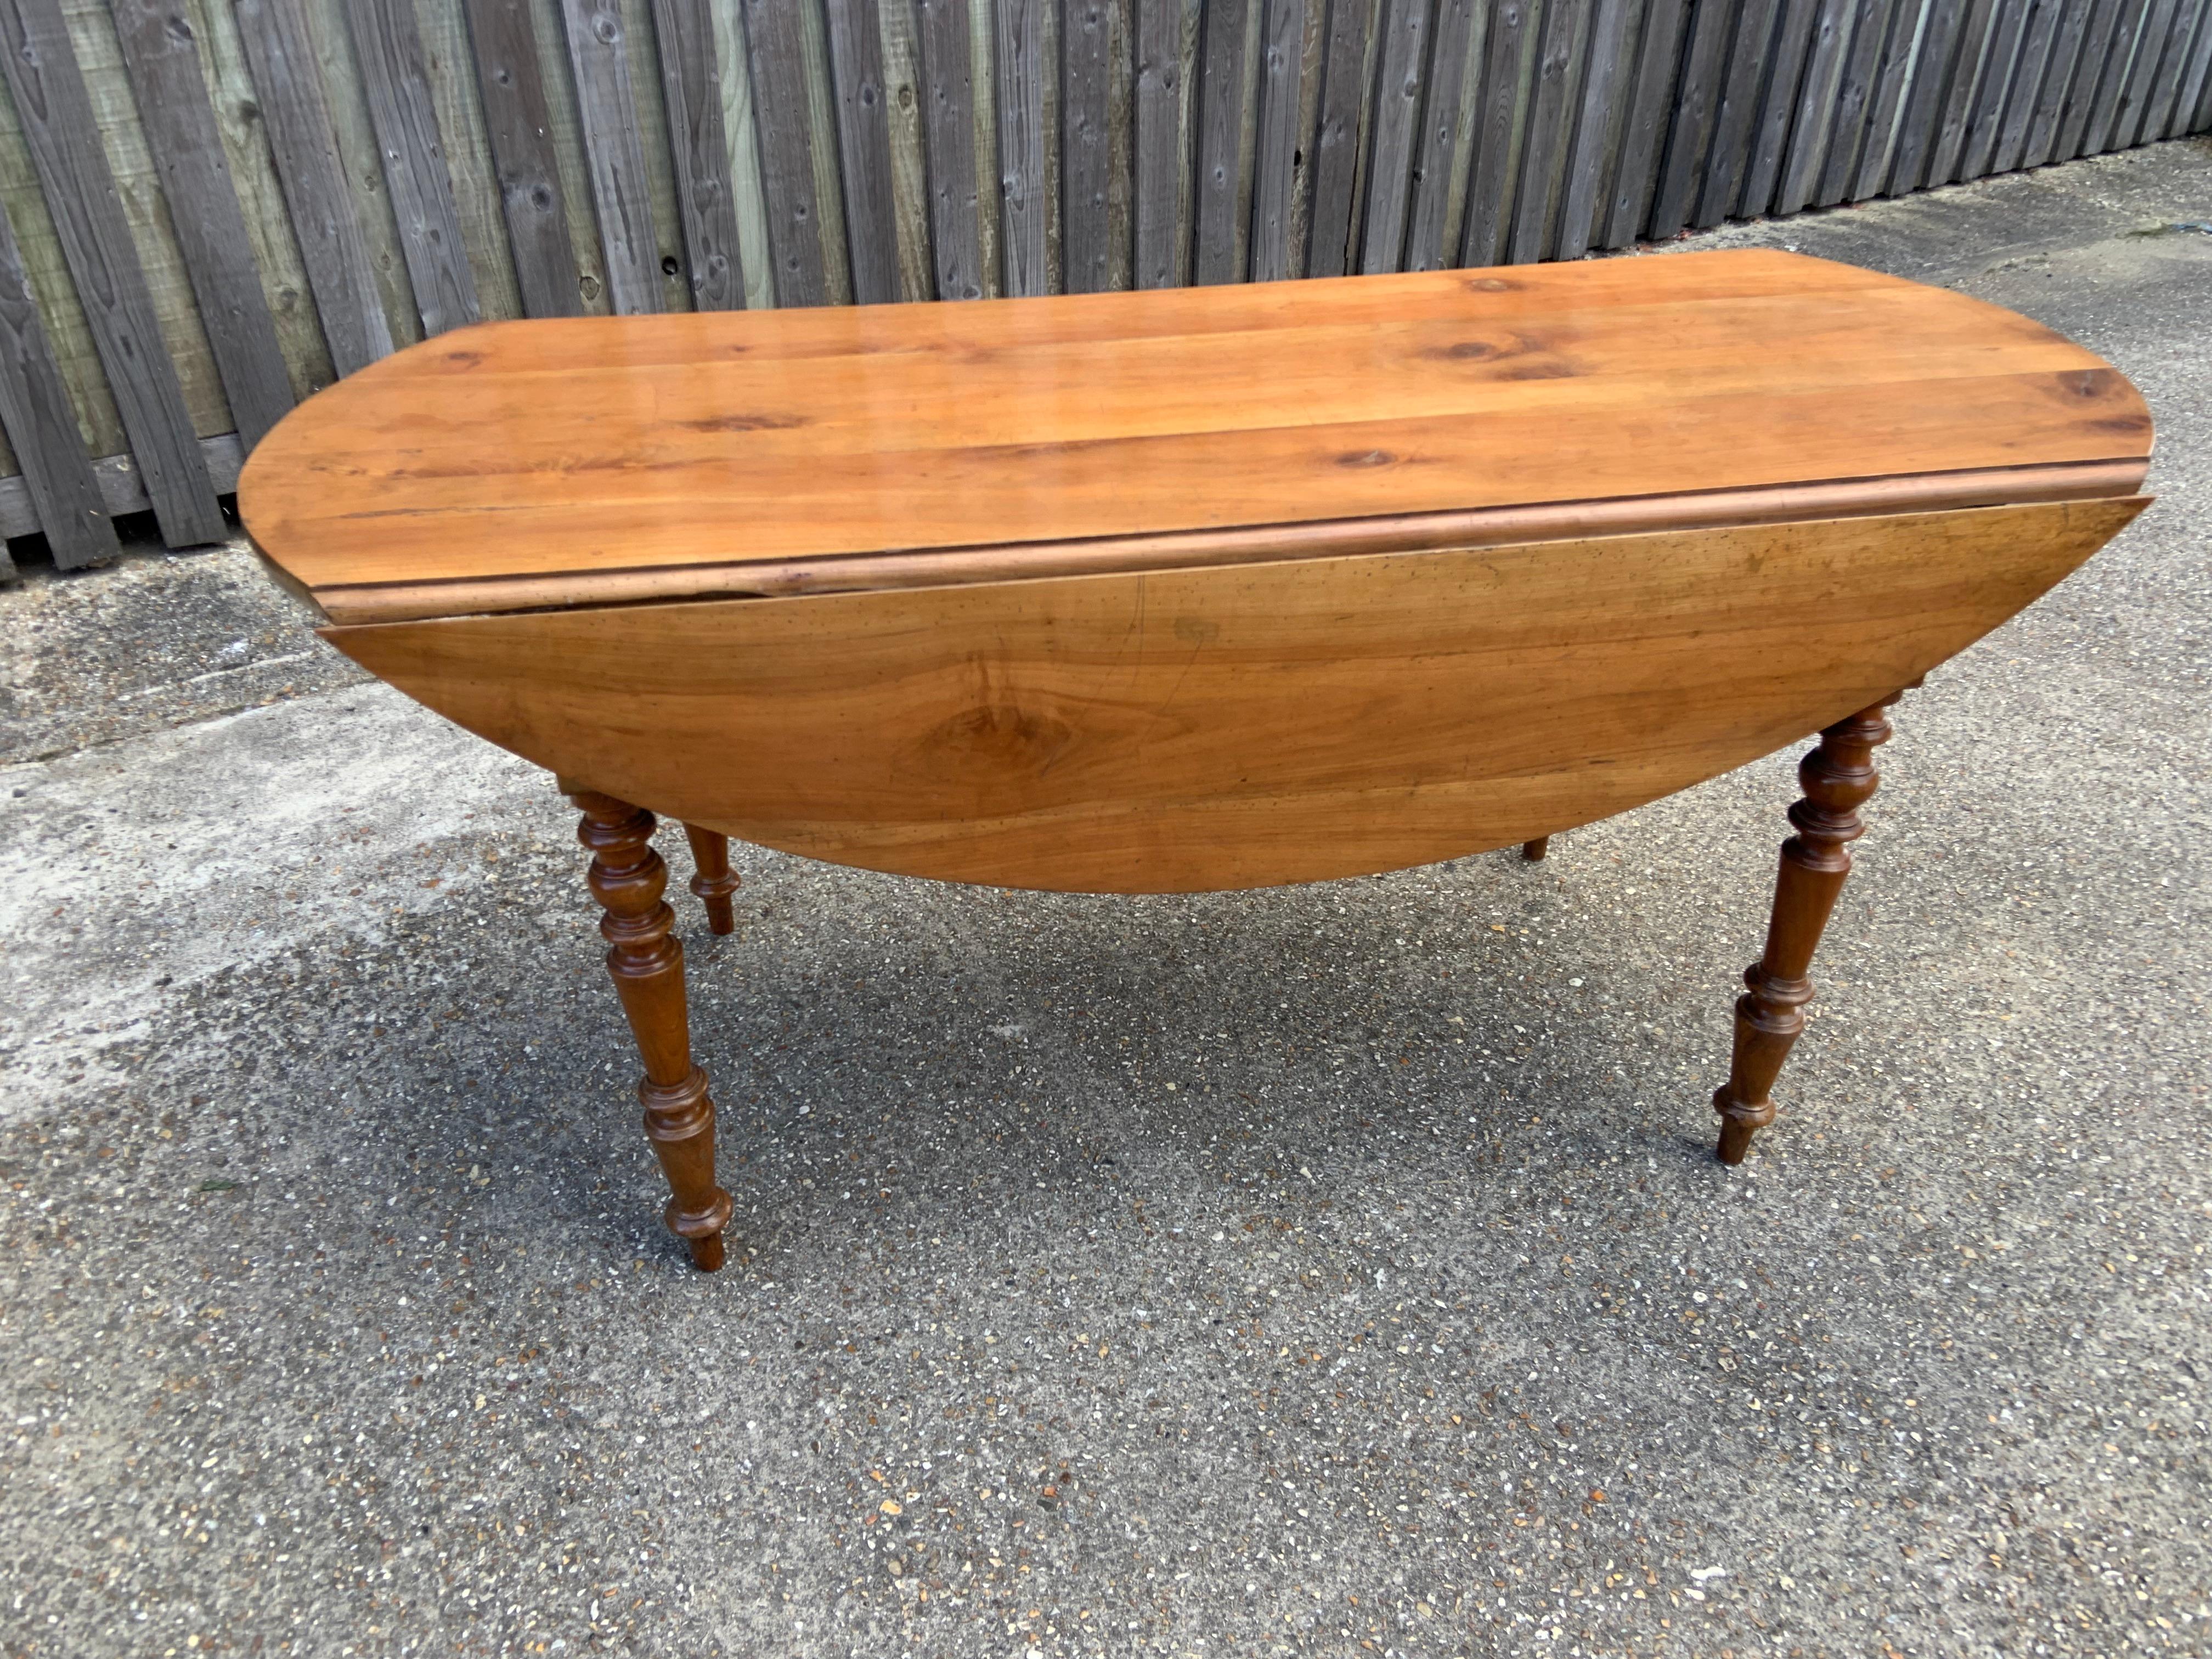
1087,69
598,53
780,125
56,114
1893,86
1853,102
389,49
949,126
1816,106
1597,128
1445,96
1216,241
504,44
706,198
164,66
1336,135
1276,162
1743,86
1509,59
304,147
1392,129
1017,84
1923,113
1659,53
41,426
1777,107
1697,104
863,150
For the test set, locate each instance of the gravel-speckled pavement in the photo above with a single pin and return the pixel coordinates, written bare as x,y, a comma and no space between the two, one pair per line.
1340,1270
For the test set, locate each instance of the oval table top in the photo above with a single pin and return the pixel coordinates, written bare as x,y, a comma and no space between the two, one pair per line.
563,461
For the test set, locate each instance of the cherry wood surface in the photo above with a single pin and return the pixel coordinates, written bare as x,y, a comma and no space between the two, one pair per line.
1237,726
566,451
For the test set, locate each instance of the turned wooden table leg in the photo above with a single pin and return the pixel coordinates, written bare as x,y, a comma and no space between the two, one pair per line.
1838,778
628,879
1533,851
715,881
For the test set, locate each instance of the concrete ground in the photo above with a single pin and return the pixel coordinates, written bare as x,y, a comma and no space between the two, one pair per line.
1339,1270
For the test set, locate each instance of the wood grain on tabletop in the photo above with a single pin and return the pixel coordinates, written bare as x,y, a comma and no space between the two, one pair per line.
587,444
1238,726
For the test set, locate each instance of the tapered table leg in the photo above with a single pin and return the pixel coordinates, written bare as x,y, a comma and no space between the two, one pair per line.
647,960
715,881
1533,851
1838,777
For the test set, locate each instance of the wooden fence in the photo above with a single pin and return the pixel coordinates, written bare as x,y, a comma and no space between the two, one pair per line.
213,207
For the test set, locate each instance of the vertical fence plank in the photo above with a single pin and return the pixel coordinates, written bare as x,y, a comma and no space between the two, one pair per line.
41,426
1893,85
903,115
786,156
1400,60
2081,96
2048,108
1439,135
1158,139
1017,85
1777,107
164,67
1509,56
705,200
521,131
1336,136
949,128
1086,72
1985,127
305,147
1742,85
1597,129
607,114
2034,58
1697,101
1543,151
863,150
56,113
1816,114
2111,90
1924,101
390,52
1853,102
1221,133
1276,169
1659,54
1947,160
2167,82
2190,85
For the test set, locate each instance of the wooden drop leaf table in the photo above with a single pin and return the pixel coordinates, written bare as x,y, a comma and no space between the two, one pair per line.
1200,589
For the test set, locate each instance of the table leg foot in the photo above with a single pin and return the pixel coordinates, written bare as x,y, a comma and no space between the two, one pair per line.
1838,778
1533,851
646,962
715,881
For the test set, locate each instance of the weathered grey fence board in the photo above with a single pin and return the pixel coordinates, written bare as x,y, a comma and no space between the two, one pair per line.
2112,86
2081,93
1923,114
1446,88
2194,84
1018,69
1853,102
1893,85
1556,80
1947,160
56,115
57,478
1735,119
2172,72
1985,130
1215,238
1697,107
598,54
1275,159
164,65
2069,28
782,127
1509,59
1159,142
949,124
1778,107
1659,51
1087,168
520,130
691,72
1814,121
301,137
1597,128
863,150
2037,36
1335,168
389,49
